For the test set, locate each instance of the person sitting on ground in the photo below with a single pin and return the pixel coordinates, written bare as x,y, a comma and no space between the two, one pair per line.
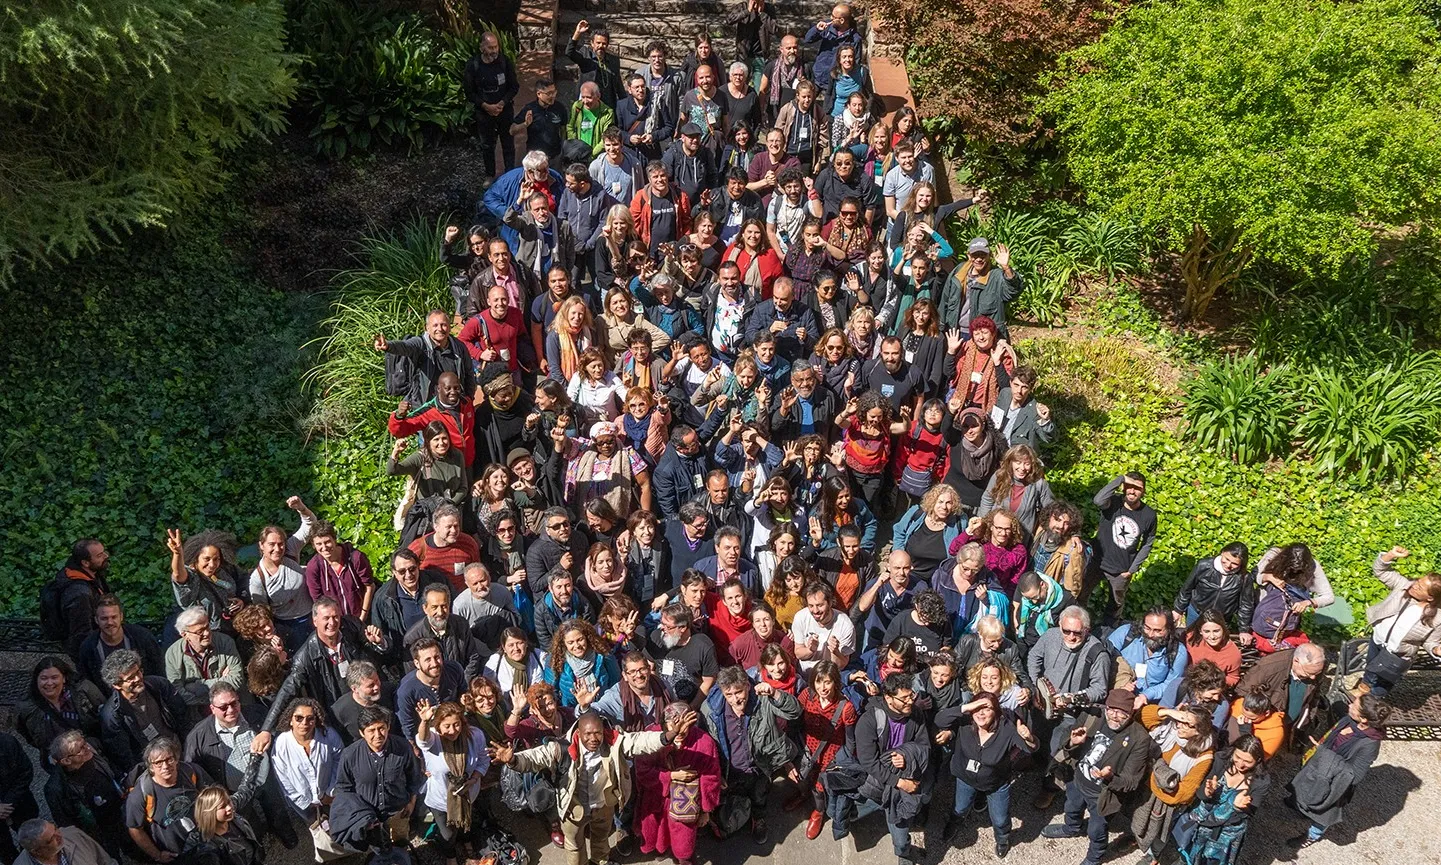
376,788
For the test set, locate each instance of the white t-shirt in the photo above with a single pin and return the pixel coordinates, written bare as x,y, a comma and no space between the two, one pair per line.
805,625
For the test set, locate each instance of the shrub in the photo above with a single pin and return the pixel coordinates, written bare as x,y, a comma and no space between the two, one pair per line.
114,114
1239,409
1374,427
373,78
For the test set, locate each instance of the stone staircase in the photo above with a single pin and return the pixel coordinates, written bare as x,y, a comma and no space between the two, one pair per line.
633,24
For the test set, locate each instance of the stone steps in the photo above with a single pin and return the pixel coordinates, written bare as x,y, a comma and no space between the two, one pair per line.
633,24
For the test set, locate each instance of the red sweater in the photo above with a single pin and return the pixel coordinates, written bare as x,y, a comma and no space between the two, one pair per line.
724,627
482,331
1228,658
446,563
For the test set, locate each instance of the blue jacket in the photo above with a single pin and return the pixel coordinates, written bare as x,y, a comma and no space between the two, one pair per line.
607,673
732,458
966,609
1159,672
502,196
912,520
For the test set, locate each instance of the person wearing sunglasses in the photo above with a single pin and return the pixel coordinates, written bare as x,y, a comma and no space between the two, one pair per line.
1075,664
212,745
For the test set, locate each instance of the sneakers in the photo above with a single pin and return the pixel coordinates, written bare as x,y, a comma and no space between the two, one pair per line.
813,825
759,833
1060,830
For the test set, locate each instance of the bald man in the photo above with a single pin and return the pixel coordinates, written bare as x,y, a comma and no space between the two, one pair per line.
491,86
888,595
1292,679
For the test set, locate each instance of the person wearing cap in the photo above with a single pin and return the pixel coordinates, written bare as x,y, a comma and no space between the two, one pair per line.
981,285
1124,535
600,467
1112,755
691,166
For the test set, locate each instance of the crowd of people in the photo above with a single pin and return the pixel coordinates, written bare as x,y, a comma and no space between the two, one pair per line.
722,476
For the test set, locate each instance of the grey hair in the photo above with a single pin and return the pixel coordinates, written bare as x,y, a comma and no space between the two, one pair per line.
31,831
445,512
1076,613
190,617
738,67
476,567
324,602
158,745
118,664
1309,653
535,161
64,743
590,87
661,279
359,673
971,552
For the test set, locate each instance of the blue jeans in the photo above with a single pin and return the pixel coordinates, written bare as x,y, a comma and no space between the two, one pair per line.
998,803
846,807
1315,832
1078,802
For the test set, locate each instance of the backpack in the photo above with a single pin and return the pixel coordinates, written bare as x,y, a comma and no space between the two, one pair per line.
501,848
52,608
399,371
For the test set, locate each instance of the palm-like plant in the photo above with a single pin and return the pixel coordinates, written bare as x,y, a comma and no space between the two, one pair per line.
1239,408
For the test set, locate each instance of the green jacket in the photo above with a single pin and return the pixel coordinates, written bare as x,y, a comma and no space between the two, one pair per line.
771,749
582,130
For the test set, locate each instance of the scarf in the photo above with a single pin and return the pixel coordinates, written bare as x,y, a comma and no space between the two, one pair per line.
978,393
1064,567
634,715
580,667
569,353
944,697
861,346
782,74
1037,615
977,461
788,684
636,430
520,670
639,372
492,725
457,759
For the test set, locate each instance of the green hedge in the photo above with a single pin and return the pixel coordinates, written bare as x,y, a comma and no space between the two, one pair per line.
148,388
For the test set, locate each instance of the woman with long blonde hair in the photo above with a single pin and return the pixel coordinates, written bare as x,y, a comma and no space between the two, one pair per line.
612,267
570,335
218,825
1018,485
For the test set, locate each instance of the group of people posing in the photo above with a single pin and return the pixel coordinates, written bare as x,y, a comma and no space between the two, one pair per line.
722,474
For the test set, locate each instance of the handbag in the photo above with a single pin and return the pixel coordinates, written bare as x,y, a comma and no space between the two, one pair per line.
1385,665
1167,779
811,761
683,802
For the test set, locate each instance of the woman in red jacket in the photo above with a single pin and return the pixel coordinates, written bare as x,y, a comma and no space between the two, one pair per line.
758,262
826,715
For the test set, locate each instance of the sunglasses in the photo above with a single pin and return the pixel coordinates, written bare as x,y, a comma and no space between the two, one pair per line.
1073,633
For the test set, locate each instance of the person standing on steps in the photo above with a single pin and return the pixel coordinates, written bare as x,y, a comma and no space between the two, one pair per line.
491,86
1123,539
596,62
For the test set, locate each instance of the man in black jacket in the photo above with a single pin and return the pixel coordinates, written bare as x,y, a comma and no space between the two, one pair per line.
805,407
680,475
85,791
397,603
83,583
211,745
140,709
115,633
733,204
891,747
16,773
432,354
452,632
366,690
558,539
491,85
596,62
319,666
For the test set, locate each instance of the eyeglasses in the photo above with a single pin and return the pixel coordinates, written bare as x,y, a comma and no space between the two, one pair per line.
555,527
1081,632
303,719
196,632
226,707
163,761
904,698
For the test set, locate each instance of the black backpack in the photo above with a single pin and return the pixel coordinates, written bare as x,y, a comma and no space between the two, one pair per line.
52,608
399,372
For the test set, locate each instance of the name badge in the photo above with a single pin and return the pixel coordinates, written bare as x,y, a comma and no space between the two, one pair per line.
1141,671
667,667
976,378
973,766
997,414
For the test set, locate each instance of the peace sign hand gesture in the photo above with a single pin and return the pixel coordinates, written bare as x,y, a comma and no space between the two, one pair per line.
174,540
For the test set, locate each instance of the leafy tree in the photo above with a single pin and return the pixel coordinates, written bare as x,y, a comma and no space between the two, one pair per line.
113,113
1302,133
976,66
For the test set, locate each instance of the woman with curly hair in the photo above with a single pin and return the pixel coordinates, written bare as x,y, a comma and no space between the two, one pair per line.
991,675
866,447
839,507
580,664
1019,485
455,760
836,362
619,625
203,572
264,675
999,535
1291,582
255,629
